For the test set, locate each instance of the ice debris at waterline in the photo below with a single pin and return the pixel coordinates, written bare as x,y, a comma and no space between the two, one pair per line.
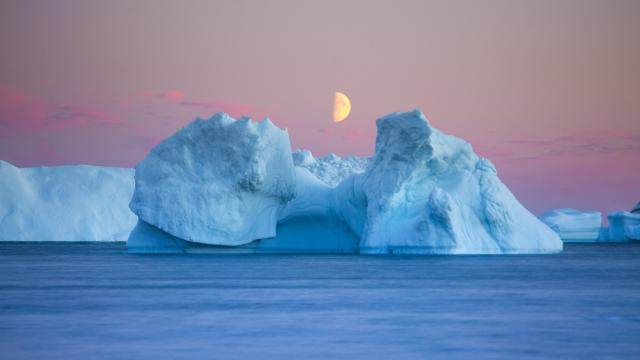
225,185
65,203
573,225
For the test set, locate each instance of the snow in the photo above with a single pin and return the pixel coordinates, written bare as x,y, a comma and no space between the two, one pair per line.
217,181
65,203
234,183
624,226
573,225
331,169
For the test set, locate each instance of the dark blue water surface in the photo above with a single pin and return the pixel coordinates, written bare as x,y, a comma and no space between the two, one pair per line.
97,301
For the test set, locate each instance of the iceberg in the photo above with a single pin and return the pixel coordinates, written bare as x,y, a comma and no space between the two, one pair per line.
573,225
331,169
65,203
306,225
218,181
428,193
624,226
225,185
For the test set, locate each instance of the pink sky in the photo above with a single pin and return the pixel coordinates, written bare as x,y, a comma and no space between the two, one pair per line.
548,90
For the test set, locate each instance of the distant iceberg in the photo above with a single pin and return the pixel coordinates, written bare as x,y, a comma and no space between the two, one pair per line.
65,203
225,185
577,226
573,225
624,225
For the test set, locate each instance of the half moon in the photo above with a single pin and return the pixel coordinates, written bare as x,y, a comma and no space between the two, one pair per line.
341,106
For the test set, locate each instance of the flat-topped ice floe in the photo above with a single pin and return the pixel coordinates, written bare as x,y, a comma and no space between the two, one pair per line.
573,225
65,203
225,185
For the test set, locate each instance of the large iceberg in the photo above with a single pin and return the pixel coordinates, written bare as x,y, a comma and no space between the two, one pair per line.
65,203
223,185
573,225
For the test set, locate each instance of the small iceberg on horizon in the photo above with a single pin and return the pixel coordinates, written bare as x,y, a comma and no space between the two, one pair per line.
624,225
574,225
586,226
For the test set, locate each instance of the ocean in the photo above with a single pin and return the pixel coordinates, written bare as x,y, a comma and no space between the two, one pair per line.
93,300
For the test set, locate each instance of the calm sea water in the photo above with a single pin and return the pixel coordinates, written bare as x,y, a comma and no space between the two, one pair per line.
96,301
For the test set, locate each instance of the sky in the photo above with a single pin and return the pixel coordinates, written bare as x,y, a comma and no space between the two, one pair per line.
547,90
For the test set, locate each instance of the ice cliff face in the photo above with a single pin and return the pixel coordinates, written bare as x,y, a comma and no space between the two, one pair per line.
573,225
331,169
65,203
233,183
218,181
624,226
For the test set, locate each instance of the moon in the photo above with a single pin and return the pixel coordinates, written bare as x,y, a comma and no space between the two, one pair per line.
341,106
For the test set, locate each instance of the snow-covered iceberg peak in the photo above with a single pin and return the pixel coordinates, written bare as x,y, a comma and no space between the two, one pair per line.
331,169
427,192
303,158
217,181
